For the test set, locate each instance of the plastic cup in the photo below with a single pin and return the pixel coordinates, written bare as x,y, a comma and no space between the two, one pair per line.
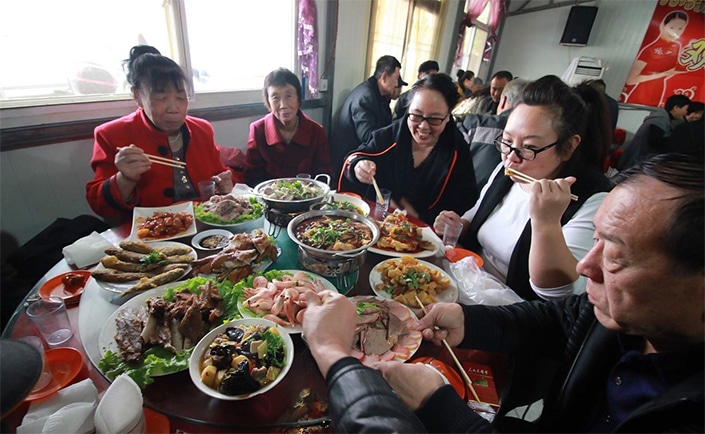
451,233
46,376
382,208
206,189
304,175
49,316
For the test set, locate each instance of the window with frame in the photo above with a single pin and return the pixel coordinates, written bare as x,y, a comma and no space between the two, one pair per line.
406,29
474,42
72,51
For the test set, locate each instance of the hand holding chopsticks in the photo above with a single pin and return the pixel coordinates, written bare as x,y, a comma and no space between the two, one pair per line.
526,178
459,365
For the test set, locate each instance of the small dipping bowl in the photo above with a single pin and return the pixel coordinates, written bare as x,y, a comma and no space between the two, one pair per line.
219,239
456,254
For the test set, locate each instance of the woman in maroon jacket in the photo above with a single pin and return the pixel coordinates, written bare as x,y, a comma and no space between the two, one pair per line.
124,176
286,142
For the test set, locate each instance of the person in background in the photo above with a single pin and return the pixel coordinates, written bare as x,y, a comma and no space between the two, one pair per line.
365,110
628,354
285,142
421,158
695,111
499,80
531,234
480,131
466,82
427,67
612,103
653,133
124,175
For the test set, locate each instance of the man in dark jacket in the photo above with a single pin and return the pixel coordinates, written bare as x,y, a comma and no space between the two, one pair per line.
366,109
481,130
626,356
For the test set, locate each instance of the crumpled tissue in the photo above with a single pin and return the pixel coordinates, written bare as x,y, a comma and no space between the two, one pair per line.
87,250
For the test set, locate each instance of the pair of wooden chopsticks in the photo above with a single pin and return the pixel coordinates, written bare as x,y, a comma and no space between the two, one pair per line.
467,379
166,161
379,193
527,178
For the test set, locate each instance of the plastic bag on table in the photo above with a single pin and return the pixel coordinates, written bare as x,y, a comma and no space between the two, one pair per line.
476,286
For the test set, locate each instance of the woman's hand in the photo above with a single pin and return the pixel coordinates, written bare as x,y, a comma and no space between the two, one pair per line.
450,320
549,200
413,382
223,182
131,162
445,217
329,327
365,170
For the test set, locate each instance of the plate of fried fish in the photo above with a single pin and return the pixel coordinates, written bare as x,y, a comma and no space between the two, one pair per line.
136,266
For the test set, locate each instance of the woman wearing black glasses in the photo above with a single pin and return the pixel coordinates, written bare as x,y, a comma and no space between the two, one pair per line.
531,234
422,158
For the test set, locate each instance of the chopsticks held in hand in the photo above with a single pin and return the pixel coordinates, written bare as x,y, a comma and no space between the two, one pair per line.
467,379
166,161
379,193
527,178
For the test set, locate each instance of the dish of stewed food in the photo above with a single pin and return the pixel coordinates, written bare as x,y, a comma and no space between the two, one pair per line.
291,190
333,233
243,359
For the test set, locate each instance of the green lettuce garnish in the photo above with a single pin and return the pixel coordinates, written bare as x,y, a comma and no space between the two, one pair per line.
154,361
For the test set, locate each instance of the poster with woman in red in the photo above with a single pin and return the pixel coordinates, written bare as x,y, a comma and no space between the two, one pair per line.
671,58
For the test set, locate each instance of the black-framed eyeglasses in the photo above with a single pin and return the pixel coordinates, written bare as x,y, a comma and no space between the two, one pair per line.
527,154
417,119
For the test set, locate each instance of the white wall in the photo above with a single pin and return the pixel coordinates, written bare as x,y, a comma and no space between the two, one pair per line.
529,45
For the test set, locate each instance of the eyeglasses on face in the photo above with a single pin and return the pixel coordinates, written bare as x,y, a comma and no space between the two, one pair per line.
523,153
417,119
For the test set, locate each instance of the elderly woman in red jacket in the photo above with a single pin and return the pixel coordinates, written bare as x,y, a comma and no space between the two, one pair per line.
285,142
124,176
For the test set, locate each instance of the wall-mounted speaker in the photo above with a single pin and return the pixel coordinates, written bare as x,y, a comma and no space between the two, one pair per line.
579,24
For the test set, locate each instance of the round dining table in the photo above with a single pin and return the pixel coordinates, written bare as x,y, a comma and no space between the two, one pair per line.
175,401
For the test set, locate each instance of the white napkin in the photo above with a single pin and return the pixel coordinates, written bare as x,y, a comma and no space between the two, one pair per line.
86,251
69,410
120,410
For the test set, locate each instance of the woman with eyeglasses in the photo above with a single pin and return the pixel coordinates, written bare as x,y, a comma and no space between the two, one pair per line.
422,158
531,234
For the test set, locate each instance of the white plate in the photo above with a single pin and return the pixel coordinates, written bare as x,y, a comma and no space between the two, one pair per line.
449,295
415,342
195,360
196,240
120,287
139,214
244,226
426,235
106,339
246,313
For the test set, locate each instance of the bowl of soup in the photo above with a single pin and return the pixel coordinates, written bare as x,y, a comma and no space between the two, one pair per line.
333,234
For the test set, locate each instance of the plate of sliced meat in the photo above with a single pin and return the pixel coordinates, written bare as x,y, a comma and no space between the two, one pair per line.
136,266
383,331
280,298
164,326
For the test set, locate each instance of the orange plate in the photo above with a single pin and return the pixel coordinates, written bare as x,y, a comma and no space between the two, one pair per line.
54,287
451,374
64,363
155,422
455,255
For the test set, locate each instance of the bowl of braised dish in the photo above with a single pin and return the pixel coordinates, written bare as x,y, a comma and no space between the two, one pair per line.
333,234
241,359
288,195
